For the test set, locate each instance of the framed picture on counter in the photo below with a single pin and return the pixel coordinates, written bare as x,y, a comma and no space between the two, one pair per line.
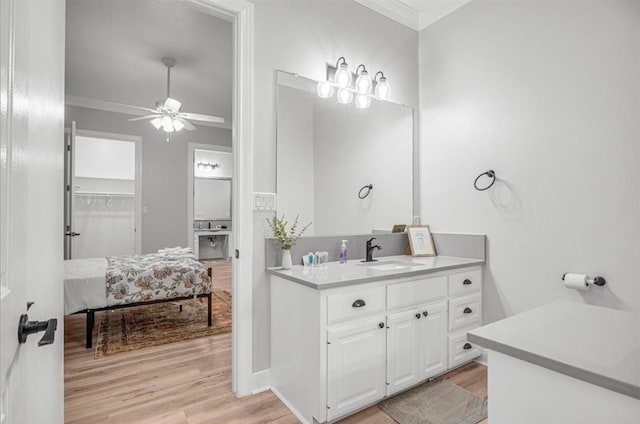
420,240
399,228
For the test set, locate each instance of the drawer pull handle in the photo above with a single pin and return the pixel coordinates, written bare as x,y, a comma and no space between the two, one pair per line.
467,346
425,313
359,303
418,315
467,310
381,325
467,282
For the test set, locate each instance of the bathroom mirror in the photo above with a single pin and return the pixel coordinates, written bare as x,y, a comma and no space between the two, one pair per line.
329,153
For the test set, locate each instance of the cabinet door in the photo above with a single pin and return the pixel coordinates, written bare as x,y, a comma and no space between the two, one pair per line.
433,339
355,366
403,348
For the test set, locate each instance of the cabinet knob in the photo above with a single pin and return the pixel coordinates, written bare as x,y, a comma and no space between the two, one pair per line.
418,315
359,303
425,313
381,325
467,310
467,346
466,282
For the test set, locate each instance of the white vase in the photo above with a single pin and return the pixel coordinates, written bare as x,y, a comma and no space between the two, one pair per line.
286,259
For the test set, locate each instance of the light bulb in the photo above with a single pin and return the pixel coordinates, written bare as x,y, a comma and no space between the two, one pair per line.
156,122
344,96
325,89
177,125
343,77
382,89
364,83
167,125
362,101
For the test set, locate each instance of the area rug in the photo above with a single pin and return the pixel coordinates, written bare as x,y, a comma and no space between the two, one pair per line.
436,402
124,330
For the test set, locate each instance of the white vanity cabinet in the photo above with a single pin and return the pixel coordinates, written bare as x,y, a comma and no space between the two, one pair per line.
337,350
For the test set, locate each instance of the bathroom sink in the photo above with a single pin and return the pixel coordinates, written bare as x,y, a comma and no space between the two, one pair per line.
387,265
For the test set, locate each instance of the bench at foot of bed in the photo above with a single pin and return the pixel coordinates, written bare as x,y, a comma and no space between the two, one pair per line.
91,312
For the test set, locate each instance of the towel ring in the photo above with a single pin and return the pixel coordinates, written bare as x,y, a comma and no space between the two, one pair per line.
491,174
367,189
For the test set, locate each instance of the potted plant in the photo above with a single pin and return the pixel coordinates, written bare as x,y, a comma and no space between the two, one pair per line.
286,235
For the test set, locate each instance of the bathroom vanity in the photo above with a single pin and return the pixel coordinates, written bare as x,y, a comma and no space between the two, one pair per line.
345,336
563,363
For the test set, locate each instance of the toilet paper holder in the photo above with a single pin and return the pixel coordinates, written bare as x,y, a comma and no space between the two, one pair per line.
598,281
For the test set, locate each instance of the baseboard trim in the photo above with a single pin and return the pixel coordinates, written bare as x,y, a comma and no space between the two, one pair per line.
261,381
293,410
483,359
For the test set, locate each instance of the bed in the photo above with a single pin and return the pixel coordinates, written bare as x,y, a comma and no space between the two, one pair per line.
99,284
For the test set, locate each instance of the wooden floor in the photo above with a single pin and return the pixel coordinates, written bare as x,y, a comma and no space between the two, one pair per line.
182,383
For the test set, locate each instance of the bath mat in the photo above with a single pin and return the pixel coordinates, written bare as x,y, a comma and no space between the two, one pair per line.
436,402
124,330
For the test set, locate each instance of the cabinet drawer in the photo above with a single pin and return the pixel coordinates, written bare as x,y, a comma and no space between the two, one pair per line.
465,311
460,350
466,282
416,292
355,304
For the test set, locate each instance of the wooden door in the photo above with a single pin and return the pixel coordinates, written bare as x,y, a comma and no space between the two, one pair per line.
31,218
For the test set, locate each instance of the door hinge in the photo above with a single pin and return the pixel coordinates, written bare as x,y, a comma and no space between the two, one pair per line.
68,187
237,254
68,147
67,228
328,407
328,342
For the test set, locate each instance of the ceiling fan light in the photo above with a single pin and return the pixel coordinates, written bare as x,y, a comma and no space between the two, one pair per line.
177,125
156,122
167,124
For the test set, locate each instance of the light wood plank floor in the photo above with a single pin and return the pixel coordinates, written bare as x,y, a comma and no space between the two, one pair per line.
183,383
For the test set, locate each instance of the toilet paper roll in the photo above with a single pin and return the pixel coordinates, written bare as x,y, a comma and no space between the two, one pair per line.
576,281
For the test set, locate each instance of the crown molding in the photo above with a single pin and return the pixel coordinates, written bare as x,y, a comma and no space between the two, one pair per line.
108,106
395,10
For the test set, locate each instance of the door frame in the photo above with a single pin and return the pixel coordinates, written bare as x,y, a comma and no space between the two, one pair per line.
190,184
137,140
241,14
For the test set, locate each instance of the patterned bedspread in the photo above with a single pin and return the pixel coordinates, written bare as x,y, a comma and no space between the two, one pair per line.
143,278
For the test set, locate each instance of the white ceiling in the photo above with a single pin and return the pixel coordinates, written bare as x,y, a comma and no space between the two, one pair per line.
416,14
113,53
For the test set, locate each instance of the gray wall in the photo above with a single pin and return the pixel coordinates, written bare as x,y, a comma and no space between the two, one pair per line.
545,93
164,170
302,36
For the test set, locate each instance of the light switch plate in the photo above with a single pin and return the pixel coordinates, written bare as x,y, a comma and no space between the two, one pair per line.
264,202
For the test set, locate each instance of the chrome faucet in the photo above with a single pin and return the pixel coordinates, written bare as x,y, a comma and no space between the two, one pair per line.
370,250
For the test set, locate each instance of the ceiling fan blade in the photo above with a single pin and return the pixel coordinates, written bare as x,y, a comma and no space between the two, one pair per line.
146,109
187,125
140,118
203,118
172,104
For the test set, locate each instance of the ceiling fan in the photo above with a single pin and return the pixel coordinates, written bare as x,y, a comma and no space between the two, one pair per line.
168,115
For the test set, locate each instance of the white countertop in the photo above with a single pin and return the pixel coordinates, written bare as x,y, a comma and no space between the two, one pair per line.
591,343
335,274
211,232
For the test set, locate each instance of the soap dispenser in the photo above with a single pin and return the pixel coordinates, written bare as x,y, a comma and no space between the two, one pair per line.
343,252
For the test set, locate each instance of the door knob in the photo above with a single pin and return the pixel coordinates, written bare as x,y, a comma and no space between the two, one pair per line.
71,234
26,327
418,315
425,313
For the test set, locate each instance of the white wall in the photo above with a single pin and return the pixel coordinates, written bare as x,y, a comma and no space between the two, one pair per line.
164,171
546,93
302,36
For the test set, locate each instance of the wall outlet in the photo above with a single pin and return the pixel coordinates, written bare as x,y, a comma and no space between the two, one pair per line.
264,202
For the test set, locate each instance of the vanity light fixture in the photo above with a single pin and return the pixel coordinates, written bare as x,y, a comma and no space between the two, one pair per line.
347,86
